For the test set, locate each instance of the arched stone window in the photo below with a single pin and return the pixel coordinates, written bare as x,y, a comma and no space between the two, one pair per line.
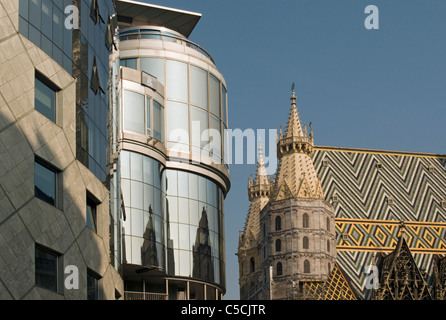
279,268
305,221
328,224
278,245
278,223
264,230
252,265
306,243
306,266
328,246
329,268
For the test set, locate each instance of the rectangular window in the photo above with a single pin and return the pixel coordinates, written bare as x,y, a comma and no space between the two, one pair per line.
148,116
46,270
158,121
154,67
214,95
177,123
224,105
177,81
129,63
134,112
92,208
45,183
198,87
45,98
92,286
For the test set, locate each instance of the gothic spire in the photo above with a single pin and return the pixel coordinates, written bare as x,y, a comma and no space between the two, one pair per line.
261,176
294,128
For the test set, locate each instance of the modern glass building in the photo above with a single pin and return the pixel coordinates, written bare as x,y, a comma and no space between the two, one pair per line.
113,167
55,130
171,113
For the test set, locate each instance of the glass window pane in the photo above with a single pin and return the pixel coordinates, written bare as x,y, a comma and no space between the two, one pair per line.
202,189
92,287
200,126
137,222
198,87
172,182
177,122
193,186
137,195
183,184
136,166
35,7
47,13
91,214
129,63
224,105
148,170
46,269
158,121
58,27
153,66
172,209
177,81
148,116
134,112
45,100
215,139
214,95
183,208
45,184
23,8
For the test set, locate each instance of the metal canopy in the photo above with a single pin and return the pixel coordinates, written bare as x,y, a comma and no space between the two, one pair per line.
133,13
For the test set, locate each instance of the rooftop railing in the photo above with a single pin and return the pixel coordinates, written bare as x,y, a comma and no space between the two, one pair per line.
140,34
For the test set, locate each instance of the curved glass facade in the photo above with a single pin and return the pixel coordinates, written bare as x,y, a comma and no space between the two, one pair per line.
194,209
196,106
144,227
174,227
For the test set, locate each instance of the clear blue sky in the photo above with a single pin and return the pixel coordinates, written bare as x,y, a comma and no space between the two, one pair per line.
378,89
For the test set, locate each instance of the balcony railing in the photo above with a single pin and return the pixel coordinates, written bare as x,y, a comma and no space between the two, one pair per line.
131,295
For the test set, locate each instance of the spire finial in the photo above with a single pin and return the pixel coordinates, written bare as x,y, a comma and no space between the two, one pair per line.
293,94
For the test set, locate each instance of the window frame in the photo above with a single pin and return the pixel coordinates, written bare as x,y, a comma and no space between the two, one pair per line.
97,278
39,76
58,269
92,201
57,182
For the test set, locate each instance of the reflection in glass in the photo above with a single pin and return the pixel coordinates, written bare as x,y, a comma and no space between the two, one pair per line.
129,63
158,121
44,184
45,100
203,267
149,254
46,269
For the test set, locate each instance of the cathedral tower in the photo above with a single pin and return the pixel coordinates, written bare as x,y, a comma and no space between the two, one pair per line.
248,253
297,236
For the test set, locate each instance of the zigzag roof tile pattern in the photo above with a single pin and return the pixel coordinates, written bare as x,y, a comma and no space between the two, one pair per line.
372,191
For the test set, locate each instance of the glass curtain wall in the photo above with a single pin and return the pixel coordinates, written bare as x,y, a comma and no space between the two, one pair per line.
194,211
144,228
196,106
